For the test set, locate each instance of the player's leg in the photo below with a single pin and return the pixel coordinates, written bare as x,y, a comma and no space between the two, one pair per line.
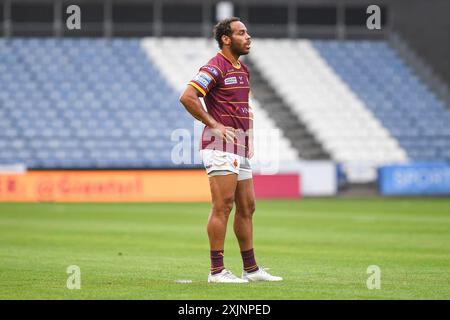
243,222
222,193
243,228
222,181
223,187
245,206
243,219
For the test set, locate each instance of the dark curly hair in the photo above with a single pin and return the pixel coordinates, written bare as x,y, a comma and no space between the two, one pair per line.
223,28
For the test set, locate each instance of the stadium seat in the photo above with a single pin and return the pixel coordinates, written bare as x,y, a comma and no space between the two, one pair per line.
85,103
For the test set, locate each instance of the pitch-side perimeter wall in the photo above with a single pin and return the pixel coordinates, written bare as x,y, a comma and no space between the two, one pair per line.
130,186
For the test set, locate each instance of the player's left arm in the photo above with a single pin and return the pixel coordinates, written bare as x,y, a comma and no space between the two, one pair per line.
251,148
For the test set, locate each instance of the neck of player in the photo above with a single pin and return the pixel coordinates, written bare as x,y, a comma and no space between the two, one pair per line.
234,58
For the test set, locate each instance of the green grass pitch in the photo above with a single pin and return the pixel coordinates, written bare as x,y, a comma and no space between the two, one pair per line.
322,248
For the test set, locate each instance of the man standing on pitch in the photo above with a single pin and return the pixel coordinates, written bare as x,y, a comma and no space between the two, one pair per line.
226,146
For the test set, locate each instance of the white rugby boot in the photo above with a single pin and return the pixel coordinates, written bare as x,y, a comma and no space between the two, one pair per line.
225,276
260,275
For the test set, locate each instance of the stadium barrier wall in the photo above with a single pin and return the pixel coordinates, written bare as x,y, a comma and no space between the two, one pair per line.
129,186
278,186
105,186
415,179
317,178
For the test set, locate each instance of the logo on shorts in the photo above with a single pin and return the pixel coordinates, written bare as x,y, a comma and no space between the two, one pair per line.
235,163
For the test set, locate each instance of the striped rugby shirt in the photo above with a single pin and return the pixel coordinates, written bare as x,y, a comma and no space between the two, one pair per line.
225,90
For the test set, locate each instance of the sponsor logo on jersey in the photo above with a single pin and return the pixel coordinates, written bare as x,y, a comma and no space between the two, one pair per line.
212,70
230,80
203,79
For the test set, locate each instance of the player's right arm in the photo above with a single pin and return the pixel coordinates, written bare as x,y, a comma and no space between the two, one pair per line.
190,99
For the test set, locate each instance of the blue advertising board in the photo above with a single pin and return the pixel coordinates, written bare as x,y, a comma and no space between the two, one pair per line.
415,179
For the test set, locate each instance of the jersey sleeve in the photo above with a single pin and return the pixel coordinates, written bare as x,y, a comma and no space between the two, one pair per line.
207,78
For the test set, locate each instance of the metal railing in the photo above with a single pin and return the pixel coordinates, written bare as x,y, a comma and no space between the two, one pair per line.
106,27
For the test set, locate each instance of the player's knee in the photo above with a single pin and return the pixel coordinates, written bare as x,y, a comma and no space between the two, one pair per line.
224,206
222,210
246,211
252,208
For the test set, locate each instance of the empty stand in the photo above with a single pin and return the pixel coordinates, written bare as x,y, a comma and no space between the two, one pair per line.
406,107
338,118
85,103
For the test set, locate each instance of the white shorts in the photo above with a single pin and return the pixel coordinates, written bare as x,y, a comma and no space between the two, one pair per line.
220,163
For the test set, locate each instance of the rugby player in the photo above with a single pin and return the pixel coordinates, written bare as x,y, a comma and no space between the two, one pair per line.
226,147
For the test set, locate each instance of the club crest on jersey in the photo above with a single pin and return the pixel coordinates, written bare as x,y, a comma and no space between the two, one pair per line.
230,80
203,79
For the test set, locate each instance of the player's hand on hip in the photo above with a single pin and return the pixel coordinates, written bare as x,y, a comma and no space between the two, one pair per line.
226,133
251,151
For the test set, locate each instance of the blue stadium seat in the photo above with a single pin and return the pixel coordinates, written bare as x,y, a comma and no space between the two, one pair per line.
85,103
395,95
